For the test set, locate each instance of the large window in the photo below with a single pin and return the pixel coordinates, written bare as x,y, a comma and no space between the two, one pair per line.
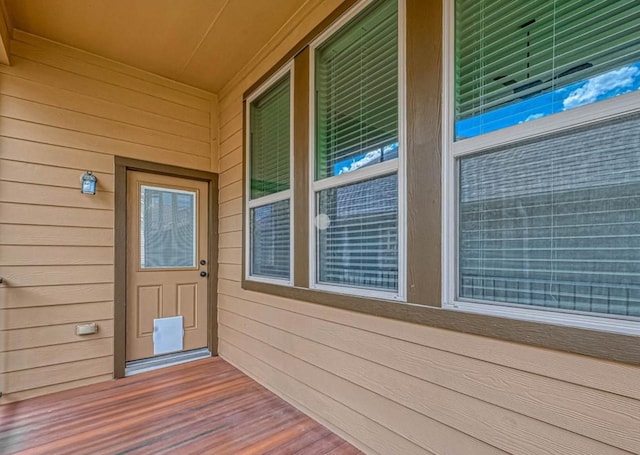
545,211
357,144
269,181
503,188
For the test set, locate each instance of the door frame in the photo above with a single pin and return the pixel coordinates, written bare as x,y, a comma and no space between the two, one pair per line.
122,165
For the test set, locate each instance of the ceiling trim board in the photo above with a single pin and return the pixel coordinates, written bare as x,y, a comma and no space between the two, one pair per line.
202,40
278,39
110,64
202,44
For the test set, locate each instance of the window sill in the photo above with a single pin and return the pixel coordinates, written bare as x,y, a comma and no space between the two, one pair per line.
585,341
581,320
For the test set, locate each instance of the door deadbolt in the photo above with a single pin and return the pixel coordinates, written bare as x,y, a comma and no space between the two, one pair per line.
203,274
203,262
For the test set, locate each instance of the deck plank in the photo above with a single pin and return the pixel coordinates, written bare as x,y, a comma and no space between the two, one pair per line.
207,406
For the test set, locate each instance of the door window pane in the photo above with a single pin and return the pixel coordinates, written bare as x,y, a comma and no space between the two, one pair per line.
556,222
167,228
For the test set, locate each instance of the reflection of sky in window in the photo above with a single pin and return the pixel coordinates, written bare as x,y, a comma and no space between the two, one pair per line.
263,213
185,201
368,158
607,85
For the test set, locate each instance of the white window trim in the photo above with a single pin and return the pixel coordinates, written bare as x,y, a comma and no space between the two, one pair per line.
271,198
453,150
379,170
366,173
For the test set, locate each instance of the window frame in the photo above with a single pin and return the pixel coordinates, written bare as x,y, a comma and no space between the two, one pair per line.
396,166
424,44
453,151
249,204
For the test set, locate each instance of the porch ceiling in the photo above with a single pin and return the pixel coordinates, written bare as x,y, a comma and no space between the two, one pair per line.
202,43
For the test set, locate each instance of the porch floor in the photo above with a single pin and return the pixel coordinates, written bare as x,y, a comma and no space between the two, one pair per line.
206,406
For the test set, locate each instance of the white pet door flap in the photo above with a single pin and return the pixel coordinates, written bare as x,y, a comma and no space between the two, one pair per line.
168,335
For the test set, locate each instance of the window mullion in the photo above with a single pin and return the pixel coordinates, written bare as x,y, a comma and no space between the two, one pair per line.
377,170
270,199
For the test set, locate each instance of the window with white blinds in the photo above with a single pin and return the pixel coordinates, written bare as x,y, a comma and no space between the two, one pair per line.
556,222
270,139
271,240
355,183
269,170
359,247
520,61
550,220
357,93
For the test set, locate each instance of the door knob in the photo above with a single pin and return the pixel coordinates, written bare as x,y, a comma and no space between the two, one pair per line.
203,274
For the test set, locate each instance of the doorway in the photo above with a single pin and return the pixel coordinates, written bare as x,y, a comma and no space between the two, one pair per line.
166,266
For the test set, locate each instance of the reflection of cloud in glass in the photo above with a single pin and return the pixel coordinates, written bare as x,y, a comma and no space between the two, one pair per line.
533,117
365,159
361,161
607,85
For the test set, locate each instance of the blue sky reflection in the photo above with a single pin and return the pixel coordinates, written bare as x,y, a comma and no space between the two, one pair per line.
367,158
613,83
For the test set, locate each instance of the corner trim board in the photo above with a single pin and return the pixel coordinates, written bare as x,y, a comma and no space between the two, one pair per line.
6,34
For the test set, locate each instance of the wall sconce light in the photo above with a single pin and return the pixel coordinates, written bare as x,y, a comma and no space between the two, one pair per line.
89,182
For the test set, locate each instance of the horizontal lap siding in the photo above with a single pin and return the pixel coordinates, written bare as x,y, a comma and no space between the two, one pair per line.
62,112
514,399
394,387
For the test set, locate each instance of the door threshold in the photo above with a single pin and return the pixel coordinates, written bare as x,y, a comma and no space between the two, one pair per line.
167,360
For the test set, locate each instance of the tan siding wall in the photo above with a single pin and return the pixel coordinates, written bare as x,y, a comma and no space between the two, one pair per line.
392,387
63,112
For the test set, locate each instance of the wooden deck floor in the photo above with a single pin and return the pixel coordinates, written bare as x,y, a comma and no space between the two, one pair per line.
206,406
